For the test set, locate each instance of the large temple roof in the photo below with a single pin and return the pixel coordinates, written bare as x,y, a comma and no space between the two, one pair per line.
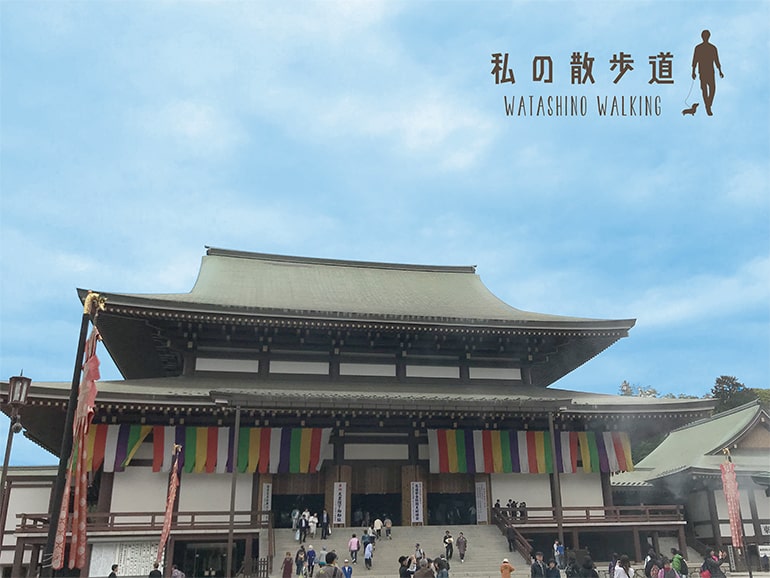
247,304
237,282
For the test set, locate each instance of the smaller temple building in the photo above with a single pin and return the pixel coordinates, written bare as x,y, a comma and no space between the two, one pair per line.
686,468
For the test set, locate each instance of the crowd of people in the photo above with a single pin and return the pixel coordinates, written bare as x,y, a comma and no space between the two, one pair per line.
655,566
514,511
310,563
306,524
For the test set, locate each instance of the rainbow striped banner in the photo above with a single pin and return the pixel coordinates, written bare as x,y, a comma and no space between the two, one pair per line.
210,449
526,452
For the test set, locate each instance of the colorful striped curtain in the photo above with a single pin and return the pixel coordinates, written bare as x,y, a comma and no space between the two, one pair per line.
506,451
208,449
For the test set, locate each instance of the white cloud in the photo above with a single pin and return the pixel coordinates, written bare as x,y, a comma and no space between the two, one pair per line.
702,297
199,128
749,183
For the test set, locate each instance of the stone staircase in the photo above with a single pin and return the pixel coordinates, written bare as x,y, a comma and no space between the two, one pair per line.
486,549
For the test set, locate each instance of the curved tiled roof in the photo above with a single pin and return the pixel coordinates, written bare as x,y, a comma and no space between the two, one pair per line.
241,282
697,447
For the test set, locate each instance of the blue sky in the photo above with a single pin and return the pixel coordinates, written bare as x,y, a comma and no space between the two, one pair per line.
133,134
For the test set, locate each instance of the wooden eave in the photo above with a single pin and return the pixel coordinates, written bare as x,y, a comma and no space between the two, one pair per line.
44,415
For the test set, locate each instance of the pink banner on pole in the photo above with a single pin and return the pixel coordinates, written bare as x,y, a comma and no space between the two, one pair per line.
173,484
77,471
730,487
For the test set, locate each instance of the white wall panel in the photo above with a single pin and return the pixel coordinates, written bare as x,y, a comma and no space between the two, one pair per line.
495,373
368,369
300,367
432,371
226,365
535,489
581,489
376,452
139,481
211,493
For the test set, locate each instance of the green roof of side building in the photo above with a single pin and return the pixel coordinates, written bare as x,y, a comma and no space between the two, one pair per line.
698,447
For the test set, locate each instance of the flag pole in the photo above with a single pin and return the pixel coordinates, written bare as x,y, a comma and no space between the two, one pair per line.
233,480
92,304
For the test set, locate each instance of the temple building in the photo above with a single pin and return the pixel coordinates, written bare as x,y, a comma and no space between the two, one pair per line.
355,387
686,468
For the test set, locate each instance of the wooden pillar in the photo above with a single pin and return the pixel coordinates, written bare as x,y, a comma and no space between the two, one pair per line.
168,555
104,500
18,557
576,541
606,489
637,545
682,541
247,558
656,541
34,561
714,518
754,512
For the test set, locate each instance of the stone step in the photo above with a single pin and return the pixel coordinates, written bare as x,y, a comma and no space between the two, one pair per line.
486,549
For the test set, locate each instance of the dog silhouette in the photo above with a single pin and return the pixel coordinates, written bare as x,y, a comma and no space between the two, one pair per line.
690,110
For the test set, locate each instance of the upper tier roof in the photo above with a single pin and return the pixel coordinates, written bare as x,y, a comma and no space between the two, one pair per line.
240,282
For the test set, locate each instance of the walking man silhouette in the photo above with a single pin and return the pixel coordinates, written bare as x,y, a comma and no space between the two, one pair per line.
705,57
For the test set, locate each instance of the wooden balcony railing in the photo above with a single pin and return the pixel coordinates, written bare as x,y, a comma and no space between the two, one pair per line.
576,515
152,522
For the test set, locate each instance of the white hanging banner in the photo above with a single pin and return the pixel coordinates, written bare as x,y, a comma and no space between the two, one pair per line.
417,502
481,503
338,512
267,500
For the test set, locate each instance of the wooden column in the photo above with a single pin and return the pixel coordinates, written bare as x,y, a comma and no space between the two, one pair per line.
714,518
754,513
637,545
656,541
576,541
606,489
18,557
682,541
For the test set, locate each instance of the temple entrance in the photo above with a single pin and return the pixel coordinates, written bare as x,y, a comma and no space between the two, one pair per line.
296,491
375,493
451,509
207,558
367,507
283,505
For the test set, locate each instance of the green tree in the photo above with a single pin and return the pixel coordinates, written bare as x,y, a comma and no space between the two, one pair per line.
764,397
730,393
626,389
641,448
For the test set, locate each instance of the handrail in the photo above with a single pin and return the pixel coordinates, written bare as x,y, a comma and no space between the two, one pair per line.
520,543
697,545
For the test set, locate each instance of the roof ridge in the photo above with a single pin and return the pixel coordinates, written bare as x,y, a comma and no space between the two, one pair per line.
218,252
720,415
